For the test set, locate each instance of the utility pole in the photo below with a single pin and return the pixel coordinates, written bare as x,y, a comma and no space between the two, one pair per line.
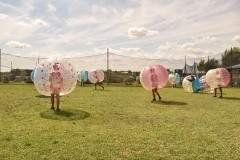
185,68
0,65
107,66
231,67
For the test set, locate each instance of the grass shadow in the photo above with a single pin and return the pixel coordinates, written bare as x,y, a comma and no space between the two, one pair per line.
101,90
231,98
65,115
42,96
169,102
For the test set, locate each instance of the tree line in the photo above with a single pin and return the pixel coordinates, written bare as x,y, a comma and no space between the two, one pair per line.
229,58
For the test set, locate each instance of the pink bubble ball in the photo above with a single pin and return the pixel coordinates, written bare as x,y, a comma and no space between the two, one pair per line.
65,76
154,76
96,75
219,77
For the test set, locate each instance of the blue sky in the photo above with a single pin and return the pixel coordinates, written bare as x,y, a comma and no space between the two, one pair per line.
143,28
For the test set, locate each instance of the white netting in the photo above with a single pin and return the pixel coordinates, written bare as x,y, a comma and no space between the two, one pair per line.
116,62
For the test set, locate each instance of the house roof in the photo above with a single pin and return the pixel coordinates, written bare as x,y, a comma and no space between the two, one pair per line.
237,66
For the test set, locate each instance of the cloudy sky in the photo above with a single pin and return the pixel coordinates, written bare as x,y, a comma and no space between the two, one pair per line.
142,28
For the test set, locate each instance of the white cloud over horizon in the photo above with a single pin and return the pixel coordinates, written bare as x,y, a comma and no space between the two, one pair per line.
236,39
146,28
3,16
15,44
139,32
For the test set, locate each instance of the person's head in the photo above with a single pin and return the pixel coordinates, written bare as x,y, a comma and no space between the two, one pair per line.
55,67
152,70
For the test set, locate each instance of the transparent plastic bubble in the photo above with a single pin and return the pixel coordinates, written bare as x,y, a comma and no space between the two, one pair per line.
96,75
219,77
203,82
82,76
154,76
55,76
204,85
186,84
174,78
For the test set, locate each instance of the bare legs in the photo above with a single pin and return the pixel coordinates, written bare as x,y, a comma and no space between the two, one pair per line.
154,91
57,100
100,84
215,92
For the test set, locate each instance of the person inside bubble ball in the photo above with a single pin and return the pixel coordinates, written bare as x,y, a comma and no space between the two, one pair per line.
218,85
174,85
97,80
192,78
154,80
56,85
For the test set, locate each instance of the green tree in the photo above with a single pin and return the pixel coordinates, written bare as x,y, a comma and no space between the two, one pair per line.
231,57
201,65
211,64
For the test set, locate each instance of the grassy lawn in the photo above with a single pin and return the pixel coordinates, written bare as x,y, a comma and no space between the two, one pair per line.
119,123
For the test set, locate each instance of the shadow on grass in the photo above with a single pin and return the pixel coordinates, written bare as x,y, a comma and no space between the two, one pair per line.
65,115
231,98
42,96
101,90
169,102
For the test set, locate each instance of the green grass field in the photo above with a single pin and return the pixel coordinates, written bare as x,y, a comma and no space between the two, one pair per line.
119,123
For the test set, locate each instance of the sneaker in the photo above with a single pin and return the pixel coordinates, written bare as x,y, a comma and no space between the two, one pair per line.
57,109
153,99
52,108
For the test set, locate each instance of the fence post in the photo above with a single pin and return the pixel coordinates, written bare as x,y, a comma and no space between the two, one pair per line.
0,65
107,66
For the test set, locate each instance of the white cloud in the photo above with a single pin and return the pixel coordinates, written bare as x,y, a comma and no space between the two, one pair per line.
23,24
133,49
99,51
174,50
51,7
89,43
3,16
60,35
138,32
98,9
36,22
15,44
211,39
166,47
236,39
187,46
40,22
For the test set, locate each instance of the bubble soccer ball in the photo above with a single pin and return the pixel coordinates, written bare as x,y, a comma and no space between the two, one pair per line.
186,84
174,78
154,76
203,82
82,76
204,85
219,77
65,71
96,75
